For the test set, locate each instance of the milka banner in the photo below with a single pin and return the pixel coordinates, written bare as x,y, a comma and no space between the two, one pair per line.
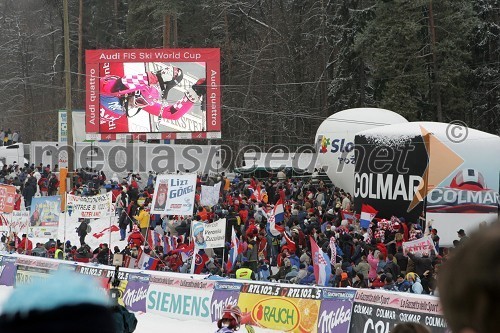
209,235
93,207
44,216
17,221
210,195
419,246
174,194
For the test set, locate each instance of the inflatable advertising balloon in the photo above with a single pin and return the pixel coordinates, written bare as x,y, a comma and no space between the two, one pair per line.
447,171
335,140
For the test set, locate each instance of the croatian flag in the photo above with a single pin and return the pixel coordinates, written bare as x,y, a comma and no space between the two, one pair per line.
321,264
368,213
277,216
233,252
279,212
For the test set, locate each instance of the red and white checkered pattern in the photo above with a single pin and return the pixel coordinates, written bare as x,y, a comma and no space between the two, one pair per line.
380,234
133,81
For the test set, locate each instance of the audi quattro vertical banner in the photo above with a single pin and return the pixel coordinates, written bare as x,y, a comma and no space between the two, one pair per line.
174,194
163,91
335,311
184,299
44,216
289,309
225,293
379,311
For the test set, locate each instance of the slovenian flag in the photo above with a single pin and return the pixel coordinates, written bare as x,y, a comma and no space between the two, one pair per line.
277,216
321,264
233,252
147,262
368,213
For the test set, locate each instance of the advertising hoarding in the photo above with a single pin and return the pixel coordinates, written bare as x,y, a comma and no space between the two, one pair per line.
153,93
403,170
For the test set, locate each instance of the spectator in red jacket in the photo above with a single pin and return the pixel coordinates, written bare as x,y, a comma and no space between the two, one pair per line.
25,246
136,237
175,261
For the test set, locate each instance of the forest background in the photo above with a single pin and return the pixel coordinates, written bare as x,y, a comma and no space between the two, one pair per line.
286,64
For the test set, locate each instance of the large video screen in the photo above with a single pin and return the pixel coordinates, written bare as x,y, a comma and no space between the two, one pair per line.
164,91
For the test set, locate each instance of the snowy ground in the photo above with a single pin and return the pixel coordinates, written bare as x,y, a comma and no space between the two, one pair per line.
147,322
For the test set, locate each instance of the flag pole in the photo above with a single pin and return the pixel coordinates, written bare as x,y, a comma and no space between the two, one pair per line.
110,257
223,256
27,231
193,260
64,221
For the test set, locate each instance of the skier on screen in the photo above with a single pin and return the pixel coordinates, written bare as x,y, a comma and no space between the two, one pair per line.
148,91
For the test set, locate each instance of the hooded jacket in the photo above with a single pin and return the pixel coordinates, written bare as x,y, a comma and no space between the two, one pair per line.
416,286
293,273
300,275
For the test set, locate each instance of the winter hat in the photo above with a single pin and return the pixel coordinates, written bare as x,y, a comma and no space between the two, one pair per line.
310,269
64,300
302,266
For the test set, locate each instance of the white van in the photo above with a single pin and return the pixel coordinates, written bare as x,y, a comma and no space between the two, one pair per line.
12,154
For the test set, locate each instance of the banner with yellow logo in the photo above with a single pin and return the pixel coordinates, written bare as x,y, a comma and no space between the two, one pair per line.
289,309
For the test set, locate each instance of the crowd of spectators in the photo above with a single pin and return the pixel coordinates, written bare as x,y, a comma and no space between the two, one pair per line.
364,257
